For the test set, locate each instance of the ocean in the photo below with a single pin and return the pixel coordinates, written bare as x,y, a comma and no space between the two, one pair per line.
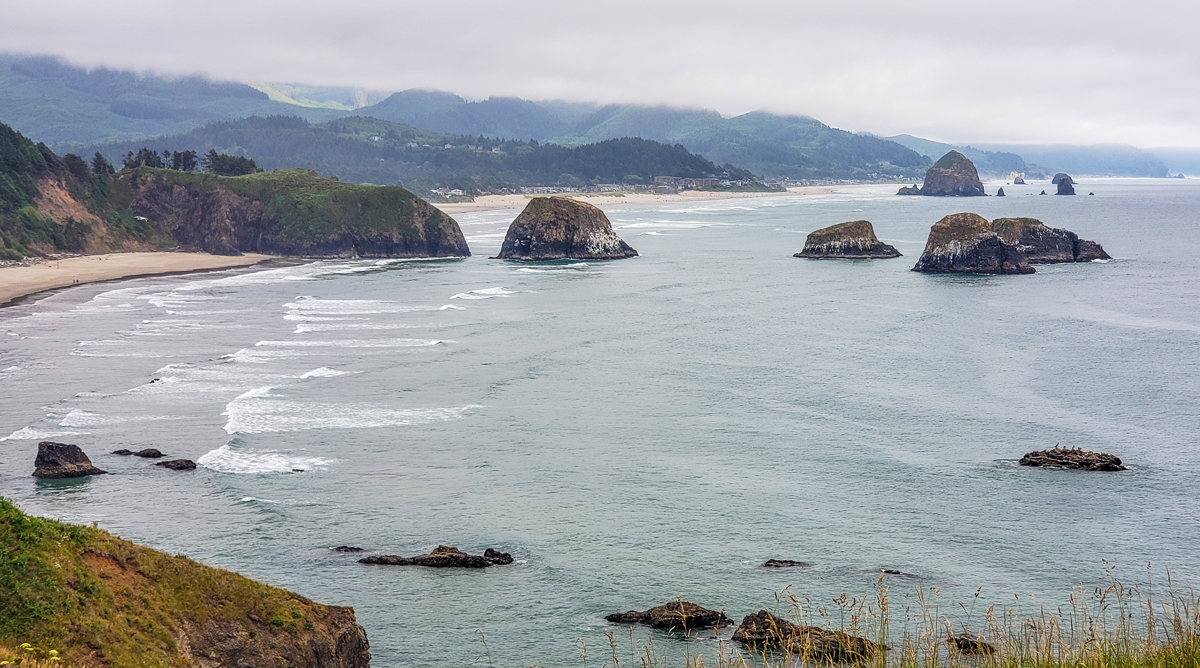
646,429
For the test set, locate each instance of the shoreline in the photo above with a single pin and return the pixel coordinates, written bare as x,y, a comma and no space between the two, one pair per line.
20,281
493,202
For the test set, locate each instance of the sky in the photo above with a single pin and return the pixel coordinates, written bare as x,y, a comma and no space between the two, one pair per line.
1051,71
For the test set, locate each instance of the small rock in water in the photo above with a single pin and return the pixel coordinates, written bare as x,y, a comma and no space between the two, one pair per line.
1082,460
347,548
149,453
965,643
1000,192
785,563
892,571
1042,193
62,460
178,465
444,557
123,452
674,615
811,642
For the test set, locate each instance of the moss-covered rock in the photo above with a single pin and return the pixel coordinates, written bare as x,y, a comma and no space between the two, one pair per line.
964,243
854,240
559,228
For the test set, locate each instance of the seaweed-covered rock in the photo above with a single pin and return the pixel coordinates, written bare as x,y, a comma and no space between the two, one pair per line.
1046,245
953,175
62,460
854,240
674,615
558,228
966,243
178,465
444,557
1073,458
811,642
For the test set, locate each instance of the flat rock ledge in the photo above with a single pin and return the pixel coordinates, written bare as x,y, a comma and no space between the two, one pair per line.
964,243
1073,458
675,615
812,643
560,228
62,460
444,557
854,240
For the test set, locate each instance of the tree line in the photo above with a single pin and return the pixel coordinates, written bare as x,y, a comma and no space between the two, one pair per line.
220,164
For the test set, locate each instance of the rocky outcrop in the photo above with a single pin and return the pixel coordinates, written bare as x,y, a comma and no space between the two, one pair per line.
290,212
347,548
953,175
1000,192
1060,177
444,557
1046,245
675,615
785,563
966,243
1065,187
558,228
1065,458
62,460
1018,180
178,465
338,642
149,453
969,645
855,240
914,189
813,643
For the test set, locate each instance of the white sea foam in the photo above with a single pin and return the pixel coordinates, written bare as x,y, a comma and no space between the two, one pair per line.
81,418
31,434
312,306
261,411
228,459
305,328
486,293
324,372
577,266
354,343
448,307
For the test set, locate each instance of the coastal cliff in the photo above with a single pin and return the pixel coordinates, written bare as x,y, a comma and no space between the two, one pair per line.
558,228
105,602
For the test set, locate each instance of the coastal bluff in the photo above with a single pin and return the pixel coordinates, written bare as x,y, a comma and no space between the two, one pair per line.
561,228
854,240
102,601
953,175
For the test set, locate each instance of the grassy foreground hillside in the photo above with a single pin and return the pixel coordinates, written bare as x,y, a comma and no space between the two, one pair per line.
102,601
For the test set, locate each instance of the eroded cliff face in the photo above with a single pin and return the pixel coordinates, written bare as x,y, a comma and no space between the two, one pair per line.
294,213
557,228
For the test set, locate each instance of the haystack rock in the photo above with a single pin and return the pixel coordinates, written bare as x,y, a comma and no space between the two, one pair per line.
675,615
1046,245
1065,187
816,644
444,557
1018,180
964,243
952,175
1067,458
559,228
62,460
854,240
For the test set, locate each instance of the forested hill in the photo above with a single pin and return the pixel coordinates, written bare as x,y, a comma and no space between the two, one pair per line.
368,150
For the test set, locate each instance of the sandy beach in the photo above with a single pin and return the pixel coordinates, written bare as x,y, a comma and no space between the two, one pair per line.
488,202
26,279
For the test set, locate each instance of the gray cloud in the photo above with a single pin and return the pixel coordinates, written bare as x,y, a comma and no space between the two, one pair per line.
1063,71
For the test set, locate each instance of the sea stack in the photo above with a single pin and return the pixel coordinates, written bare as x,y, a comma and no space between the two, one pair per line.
1046,245
560,228
1000,192
953,175
62,460
1018,180
854,240
964,243
1073,458
1065,187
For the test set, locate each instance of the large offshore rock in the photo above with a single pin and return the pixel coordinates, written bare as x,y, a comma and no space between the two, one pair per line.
444,557
675,615
953,175
1046,245
1065,187
763,629
964,243
854,240
559,228
62,460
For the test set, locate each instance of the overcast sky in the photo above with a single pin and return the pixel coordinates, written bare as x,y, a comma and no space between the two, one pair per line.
1046,71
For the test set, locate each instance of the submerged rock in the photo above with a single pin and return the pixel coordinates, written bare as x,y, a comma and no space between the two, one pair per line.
1064,458
785,563
347,548
966,243
914,189
123,452
674,615
62,460
558,228
178,465
968,645
1046,245
953,175
811,642
854,240
444,557
149,453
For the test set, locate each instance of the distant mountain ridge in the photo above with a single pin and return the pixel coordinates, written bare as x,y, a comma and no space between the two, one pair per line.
1040,161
